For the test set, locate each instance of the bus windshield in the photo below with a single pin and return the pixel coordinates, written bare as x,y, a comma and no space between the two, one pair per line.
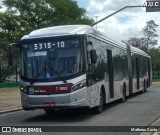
51,59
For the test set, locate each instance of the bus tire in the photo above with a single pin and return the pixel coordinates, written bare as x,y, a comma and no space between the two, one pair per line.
49,111
123,99
98,109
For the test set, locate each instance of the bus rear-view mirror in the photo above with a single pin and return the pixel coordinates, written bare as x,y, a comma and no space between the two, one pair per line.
10,53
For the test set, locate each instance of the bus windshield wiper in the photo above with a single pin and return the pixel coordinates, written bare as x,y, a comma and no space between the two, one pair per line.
45,69
55,71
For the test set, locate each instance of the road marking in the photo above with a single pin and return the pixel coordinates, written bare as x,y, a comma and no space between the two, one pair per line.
156,133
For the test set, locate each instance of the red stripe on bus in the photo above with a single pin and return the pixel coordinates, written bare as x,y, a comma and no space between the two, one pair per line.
51,89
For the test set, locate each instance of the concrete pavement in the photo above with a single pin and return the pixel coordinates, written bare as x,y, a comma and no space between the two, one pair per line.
9,100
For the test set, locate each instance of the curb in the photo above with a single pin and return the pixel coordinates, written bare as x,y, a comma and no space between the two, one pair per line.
155,123
155,82
9,111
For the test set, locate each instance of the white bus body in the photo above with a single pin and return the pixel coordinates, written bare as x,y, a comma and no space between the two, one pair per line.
77,66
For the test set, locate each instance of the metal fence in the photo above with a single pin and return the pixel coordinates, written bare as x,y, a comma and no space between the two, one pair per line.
156,71
5,85
9,74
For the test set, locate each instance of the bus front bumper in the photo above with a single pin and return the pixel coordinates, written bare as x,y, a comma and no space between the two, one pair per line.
69,100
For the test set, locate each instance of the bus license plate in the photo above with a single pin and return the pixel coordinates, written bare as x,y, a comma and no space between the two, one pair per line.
49,104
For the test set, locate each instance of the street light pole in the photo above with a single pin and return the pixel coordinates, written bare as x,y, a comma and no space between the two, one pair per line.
115,13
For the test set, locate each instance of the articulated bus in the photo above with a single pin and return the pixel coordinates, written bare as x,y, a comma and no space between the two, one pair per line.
74,66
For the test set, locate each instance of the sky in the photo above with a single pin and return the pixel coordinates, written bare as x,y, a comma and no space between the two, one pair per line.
123,25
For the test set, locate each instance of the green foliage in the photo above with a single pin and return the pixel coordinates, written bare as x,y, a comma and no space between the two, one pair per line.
148,40
6,71
36,14
134,41
137,42
23,16
149,32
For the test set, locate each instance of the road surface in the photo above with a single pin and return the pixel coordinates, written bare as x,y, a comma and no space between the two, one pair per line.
138,110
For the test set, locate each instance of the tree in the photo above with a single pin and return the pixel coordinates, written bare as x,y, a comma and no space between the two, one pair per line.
134,41
30,15
147,41
149,33
23,16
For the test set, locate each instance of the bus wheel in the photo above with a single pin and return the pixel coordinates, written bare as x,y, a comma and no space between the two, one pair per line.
98,109
123,95
49,111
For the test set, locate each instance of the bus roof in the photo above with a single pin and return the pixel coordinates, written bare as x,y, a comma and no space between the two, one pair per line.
138,51
70,30
59,31
77,30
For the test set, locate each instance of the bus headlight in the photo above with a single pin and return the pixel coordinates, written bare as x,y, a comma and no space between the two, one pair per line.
23,89
78,85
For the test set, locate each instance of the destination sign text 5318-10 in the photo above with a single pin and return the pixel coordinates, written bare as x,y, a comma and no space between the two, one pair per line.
49,45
